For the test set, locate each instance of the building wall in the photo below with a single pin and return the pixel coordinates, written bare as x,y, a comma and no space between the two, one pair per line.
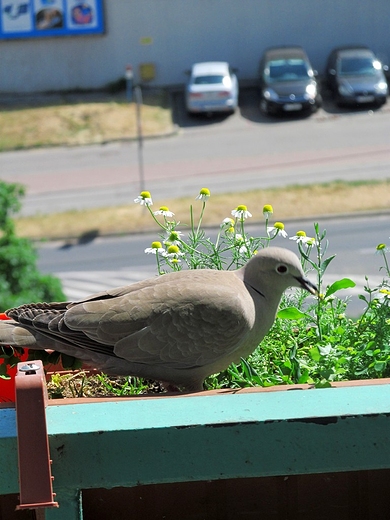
185,31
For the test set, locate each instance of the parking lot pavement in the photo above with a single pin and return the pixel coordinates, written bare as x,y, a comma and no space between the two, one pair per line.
249,111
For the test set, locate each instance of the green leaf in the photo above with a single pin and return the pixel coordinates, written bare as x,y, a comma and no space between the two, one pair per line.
315,354
304,377
379,366
323,384
291,313
344,283
326,262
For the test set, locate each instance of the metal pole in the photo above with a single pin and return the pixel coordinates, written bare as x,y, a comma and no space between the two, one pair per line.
138,99
129,75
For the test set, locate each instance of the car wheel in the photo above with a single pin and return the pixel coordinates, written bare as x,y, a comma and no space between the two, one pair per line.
264,107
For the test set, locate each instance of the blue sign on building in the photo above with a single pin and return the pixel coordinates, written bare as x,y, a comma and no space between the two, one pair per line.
39,18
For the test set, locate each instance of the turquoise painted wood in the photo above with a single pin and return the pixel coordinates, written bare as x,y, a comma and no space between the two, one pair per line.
206,437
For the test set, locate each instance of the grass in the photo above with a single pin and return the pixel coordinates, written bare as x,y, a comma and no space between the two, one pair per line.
80,119
290,202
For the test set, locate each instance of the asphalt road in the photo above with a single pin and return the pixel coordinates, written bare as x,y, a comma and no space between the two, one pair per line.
225,154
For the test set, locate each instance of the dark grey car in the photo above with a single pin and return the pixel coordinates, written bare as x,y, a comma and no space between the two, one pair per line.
355,76
287,81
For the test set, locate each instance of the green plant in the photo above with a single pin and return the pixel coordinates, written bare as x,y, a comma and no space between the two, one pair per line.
20,279
311,341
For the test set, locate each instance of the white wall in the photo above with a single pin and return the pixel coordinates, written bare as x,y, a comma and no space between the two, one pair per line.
185,31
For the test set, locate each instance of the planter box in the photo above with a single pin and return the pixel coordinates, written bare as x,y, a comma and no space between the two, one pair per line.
280,451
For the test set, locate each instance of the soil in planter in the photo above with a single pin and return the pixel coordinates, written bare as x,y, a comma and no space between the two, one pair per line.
70,384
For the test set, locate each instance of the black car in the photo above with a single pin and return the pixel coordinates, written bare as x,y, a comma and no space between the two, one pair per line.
287,81
355,76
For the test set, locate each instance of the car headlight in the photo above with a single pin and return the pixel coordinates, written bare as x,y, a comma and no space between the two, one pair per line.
381,87
270,94
345,90
311,91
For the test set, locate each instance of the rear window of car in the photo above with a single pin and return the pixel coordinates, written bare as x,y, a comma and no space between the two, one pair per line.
209,80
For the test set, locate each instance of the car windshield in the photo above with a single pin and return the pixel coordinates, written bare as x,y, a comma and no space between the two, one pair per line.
286,70
358,66
210,79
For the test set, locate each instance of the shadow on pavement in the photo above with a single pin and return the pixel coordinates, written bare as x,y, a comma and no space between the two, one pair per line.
249,109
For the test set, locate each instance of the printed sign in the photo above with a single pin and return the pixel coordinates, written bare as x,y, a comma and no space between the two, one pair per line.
37,18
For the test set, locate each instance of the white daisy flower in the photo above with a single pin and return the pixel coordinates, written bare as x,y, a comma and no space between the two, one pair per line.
164,211
144,198
268,210
227,222
382,248
241,212
302,238
277,229
155,249
204,194
173,252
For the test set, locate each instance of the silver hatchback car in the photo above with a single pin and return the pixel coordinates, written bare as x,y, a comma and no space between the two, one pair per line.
212,87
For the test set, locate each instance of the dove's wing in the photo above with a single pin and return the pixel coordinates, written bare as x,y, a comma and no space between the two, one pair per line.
170,324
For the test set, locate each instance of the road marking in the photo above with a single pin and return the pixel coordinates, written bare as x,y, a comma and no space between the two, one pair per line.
81,284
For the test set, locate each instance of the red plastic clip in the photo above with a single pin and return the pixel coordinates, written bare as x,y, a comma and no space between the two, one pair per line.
35,480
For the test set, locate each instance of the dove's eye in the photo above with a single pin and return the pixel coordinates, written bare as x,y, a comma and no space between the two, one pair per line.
281,269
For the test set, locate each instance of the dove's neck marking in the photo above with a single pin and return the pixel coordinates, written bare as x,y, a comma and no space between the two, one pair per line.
256,290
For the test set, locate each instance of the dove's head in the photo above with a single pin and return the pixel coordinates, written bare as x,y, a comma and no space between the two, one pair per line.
276,268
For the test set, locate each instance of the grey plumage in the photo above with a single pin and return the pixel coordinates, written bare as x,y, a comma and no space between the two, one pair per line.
177,328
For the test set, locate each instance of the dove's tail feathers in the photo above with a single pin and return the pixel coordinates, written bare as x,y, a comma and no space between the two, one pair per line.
15,336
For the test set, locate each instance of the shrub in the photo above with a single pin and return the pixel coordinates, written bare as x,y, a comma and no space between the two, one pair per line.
20,280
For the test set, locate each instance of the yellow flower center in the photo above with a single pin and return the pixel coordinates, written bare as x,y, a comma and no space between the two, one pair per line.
145,194
205,191
156,245
268,209
173,249
301,234
242,207
164,208
279,225
380,247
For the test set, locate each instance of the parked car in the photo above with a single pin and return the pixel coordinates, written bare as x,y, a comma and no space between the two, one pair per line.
287,81
212,87
355,76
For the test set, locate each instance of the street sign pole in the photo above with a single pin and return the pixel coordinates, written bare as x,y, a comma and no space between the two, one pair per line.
129,76
138,100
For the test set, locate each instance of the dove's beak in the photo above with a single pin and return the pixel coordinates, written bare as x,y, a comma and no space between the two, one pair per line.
308,285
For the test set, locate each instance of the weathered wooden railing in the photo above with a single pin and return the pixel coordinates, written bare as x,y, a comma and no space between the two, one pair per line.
108,443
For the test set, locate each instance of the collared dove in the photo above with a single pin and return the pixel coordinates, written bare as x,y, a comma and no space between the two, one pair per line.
177,328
